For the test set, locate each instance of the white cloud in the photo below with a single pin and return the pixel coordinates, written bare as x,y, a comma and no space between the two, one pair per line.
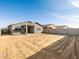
74,19
75,3
71,18
68,17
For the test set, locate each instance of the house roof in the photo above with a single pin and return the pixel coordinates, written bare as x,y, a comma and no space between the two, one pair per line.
26,22
46,25
38,24
21,22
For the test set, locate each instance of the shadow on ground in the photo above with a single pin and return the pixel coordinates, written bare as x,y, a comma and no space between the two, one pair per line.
66,48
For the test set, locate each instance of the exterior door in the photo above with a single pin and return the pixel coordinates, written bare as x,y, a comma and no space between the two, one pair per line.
23,29
30,29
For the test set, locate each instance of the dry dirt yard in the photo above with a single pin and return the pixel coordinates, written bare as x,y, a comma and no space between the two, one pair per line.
24,46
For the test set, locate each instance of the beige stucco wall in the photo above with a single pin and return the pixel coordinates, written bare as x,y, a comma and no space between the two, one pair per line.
38,28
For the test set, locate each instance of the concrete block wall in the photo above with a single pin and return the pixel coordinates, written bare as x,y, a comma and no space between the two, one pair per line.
63,31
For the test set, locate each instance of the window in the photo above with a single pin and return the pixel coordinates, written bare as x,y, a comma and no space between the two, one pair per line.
45,27
50,27
17,29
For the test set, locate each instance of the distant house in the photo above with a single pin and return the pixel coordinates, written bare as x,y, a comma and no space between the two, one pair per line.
25,28
49,26
52,26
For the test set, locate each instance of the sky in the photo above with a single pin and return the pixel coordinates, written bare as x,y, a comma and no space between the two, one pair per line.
59,12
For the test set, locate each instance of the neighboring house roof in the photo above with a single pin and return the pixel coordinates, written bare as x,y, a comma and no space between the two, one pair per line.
57,26
21,22
26,22
46,25
38,24
62,26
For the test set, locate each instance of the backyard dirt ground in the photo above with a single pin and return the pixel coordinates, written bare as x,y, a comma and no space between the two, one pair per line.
24,46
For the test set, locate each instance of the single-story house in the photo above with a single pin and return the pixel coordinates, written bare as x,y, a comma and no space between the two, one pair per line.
25,28
49,26
52,26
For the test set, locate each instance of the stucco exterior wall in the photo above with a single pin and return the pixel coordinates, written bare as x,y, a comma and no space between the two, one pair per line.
13,27
38,29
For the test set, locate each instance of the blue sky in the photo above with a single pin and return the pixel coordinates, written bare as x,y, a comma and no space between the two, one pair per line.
64,12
